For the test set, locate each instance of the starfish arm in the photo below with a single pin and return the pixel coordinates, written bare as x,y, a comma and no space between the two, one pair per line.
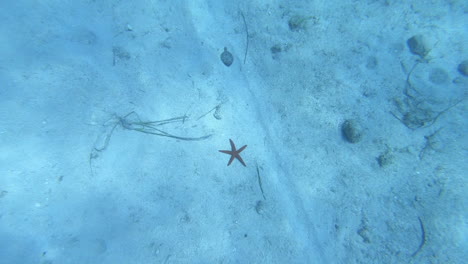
233,147
240,159
231,159
241,149
226,151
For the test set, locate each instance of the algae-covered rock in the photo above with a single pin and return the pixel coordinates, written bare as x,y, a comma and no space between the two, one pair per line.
418,46
352,131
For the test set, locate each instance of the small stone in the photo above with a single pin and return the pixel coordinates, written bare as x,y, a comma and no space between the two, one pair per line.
296,23
226,57
352,131
463,68
260,207
299,22
417,46
217,113
363,232
121,53
385,159
276,49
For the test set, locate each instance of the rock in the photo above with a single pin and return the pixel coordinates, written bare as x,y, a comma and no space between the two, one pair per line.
226,57
299,22
385,159
417,46
276,49
217,112
463,68
260,207
352,131
129,27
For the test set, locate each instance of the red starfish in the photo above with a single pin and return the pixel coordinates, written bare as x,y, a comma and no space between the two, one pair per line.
234,153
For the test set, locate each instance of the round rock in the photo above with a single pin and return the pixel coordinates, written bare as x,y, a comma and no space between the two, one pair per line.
226,57
463,68
417,46
351,131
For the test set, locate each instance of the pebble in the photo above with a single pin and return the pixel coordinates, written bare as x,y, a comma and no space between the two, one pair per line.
352,131
226,57
385,159
463,68
417,46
